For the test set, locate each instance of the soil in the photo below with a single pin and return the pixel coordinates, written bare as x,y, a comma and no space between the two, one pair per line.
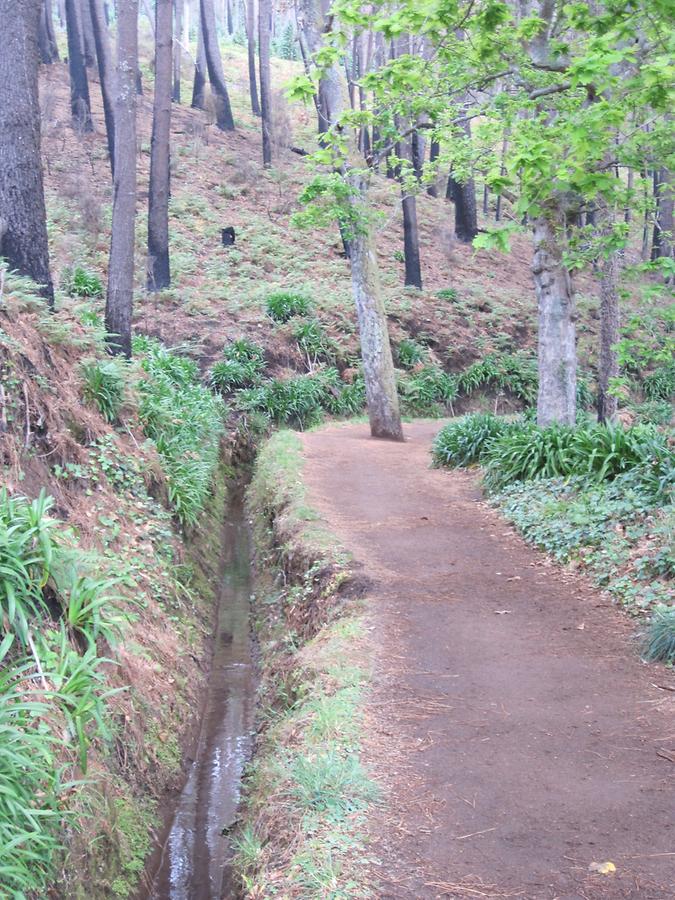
518,737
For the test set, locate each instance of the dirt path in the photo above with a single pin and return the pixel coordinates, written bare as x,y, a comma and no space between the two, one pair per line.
514,728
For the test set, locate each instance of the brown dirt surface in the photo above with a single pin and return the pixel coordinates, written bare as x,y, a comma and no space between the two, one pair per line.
517,735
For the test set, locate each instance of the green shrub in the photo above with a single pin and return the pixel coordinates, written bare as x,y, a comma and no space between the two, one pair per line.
185,420
410,353
465,441
512,372
653,412
104,385
660,384
242,365
347,399
660,640
314,342
283,305
78,282
427,392
449,294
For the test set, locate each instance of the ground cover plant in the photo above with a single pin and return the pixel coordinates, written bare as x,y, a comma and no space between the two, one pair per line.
283,305
242,365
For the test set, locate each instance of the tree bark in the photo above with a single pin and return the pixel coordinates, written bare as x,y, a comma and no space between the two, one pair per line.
88,43
179,8
464,198
556,401
378,365
251,41
159,270
106,74
49,52
664,191
214,66
119,301
23,221
264,14
79,85
609,336
199,83
434,153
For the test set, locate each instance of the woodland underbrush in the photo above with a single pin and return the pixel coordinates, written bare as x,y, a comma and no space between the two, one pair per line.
306,792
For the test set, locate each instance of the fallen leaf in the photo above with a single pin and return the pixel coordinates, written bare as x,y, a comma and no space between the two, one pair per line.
605,868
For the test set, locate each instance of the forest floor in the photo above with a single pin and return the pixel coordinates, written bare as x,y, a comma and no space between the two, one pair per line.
519,740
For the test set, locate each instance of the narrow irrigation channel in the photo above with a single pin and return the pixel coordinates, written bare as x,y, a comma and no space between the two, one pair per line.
194,862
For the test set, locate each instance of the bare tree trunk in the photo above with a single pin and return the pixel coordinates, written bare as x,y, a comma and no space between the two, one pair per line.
88,44
378,365
23,221
609,336
51,34
159,269
199,84
79,86
179,6
464,198
106,74
664,191
119,301
214,65
557,341
434,153
230,20
264,14
49,52
250,42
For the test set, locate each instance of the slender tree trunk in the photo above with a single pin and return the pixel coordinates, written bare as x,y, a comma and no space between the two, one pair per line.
411,242
250,42
179,7
434,153
159,270
664,191
199,84
214,65
464,198
88,44
49,52
51,34
264,13
378,365
230,20
23,221
557,341
106,74
119,301
79,86
609,336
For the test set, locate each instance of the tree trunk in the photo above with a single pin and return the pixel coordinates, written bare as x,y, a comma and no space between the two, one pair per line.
199,84
106,74
214,66
51,34
378,365
49,52
264,13
119,301
434,153
179,6
23,221
411,242
88,43
557,343
230,20
609,336
250,41
466,218
159,270
79,86
664,191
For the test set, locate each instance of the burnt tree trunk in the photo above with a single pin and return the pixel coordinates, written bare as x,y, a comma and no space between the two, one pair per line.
106,73
159,270
80,106
214,66
199,83
556,401
264,16
120,296
179,9
466,218
434,153
250,45
23,221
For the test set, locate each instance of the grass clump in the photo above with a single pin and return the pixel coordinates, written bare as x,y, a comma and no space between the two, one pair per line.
410,353
283,305
512,372
79,282
660,383
465,441
660,638
314,343
427,392
103,385
185,421
242,365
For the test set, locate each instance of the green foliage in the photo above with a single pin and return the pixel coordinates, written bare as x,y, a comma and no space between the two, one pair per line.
427,392
78,282
660,639
512,372
410,353
653,412
242,365
660,383
185,420
314,342
283,305
104,385
449,294
465,441
331,782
